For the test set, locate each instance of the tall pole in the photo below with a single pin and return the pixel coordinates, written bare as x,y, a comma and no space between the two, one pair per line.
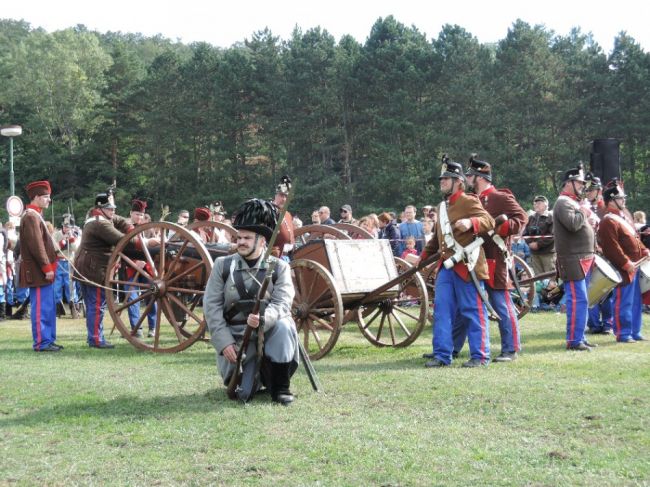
11,167
11,131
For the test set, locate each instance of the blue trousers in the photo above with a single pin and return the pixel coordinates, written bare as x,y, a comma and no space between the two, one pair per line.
16,295
132,292
628,310
62,283
501,301
43,314
457,298
576,310
95,300
601,316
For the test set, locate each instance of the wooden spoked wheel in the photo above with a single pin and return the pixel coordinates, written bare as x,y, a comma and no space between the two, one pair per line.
397,321
311,232
524,302
209,227
168,276
353,231
317,307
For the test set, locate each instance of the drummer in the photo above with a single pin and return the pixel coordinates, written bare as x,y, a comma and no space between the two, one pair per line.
623,248
574,244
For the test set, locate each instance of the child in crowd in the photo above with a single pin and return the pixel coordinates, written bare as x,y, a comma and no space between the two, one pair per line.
410,247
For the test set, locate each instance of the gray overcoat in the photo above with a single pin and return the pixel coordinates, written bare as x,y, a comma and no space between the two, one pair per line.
220,295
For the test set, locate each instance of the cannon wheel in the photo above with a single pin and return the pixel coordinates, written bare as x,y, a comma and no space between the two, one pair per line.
353,231
317,307
194,226
311,232
399,321
166,277
527,290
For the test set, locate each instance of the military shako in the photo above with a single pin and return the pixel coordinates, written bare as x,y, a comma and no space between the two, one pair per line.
451,169
575,174
480,168
614,191
103,200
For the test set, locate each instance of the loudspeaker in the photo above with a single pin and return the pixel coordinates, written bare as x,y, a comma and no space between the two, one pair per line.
605,159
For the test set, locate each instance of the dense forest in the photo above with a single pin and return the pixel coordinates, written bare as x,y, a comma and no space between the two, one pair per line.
364,124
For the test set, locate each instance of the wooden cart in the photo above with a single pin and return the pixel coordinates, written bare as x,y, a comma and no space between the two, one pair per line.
340,281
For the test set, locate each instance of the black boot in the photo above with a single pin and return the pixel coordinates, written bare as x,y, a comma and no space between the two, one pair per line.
60,310
8,310
74,311
280,392
3,311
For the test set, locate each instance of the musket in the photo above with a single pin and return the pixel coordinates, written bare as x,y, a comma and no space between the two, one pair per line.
507,257
235,379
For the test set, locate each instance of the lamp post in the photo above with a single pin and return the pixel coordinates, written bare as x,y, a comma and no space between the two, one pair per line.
11,131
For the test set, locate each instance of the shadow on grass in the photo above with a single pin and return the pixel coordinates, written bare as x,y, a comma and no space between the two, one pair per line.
132,408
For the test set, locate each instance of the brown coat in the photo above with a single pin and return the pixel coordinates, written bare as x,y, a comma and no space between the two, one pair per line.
461,205
37,250
574,239
620,243
501,202
98,240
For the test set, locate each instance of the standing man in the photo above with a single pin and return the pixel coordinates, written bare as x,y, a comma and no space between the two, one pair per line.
411,227
622,247
68,241
346,215
574,243
461,219
324,216
229,298
285,241
137,217
601,315
511,217
38,267
102,231
539,231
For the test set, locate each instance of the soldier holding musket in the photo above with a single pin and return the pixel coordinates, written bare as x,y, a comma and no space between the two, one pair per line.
230,300
459,283
623,248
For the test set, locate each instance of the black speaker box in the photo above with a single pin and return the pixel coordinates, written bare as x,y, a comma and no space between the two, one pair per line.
606,159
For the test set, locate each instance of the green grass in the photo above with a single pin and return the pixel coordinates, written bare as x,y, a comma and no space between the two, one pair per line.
123,417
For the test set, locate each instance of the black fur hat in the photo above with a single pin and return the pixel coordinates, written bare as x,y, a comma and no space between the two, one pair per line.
257,216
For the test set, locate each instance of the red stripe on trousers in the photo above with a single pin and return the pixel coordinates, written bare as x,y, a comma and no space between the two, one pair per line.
513,322
39,335
617,312
572,285
481,320
97,309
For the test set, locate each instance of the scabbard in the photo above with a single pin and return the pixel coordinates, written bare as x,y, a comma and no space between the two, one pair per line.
483,295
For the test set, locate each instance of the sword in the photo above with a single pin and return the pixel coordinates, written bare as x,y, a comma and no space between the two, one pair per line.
309,367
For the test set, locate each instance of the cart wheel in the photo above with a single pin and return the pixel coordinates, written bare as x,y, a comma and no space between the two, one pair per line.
207,228
354,231
311,232
317,307
397,322
176,271
523,303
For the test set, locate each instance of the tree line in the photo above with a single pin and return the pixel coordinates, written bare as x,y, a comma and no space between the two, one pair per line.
364,124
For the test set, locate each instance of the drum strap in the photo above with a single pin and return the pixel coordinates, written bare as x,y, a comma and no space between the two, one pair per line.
629,228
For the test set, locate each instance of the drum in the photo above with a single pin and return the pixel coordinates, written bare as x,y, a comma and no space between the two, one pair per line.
603,279
644,277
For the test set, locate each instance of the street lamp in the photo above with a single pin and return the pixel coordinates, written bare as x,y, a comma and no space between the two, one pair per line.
11,131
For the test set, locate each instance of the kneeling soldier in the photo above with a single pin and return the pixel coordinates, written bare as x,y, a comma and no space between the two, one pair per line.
229,299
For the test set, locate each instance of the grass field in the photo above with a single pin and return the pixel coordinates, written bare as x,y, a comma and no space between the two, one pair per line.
123,417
